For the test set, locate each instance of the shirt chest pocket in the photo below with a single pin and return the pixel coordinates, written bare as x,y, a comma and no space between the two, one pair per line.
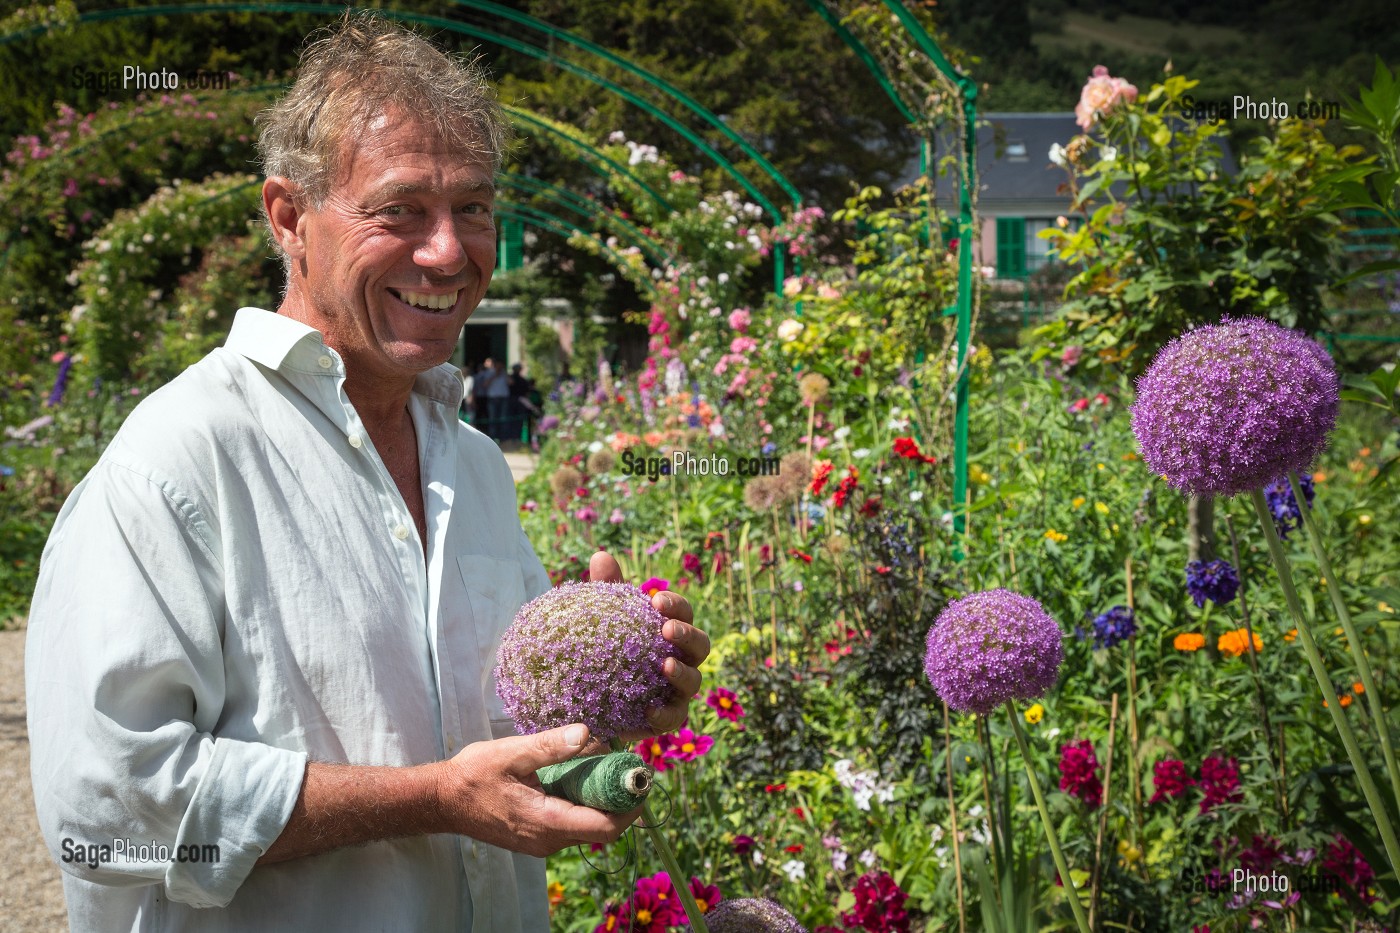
495,591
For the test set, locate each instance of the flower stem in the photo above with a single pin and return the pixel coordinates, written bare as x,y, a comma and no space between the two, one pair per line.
668,859
1060,864
1324,682
1358,654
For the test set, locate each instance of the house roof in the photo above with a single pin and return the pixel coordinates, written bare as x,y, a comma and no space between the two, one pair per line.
1013,161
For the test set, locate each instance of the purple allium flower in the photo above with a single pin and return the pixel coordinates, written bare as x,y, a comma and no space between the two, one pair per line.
1114,626
990,647
1215,581
751,915
547,423
1279,496
584,652
1225,409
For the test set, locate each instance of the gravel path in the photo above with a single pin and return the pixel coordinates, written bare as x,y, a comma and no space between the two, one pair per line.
31,894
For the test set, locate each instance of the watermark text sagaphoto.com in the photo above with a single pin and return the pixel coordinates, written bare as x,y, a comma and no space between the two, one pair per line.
94,854
133,78
685,463
1244,107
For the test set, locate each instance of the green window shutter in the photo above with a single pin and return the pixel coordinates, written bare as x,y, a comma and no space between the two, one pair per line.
510,245
1011,247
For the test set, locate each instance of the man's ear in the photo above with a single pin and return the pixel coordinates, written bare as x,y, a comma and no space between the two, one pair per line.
286,212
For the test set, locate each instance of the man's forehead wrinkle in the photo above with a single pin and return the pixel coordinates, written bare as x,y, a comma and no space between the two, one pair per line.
400,189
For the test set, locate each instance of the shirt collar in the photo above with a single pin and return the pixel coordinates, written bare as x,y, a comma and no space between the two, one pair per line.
283,344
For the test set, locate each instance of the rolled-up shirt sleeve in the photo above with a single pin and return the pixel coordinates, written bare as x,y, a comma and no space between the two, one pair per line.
126,684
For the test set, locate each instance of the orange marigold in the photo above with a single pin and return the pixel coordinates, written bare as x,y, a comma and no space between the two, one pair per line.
1236,643
1189,641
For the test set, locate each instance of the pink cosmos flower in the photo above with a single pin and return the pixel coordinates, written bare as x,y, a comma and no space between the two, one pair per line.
687,746
655,585
655,750
725,704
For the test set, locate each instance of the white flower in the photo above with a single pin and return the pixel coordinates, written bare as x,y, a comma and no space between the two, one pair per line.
617,136
838,860
594,447
868,858
1058,156
1109,153
861,453
842,432
1051,734
789,329
916,495
946,520
795,870
937,835
757,857
863,796
898,424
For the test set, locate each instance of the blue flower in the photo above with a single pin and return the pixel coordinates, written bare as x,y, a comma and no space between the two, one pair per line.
1279,495
1114,627
1216,581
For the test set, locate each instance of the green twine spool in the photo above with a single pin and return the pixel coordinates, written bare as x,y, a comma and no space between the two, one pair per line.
614,783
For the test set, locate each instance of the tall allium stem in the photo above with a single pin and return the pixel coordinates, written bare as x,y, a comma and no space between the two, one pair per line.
1358,654
1324,682
1060,864
668,859
953,820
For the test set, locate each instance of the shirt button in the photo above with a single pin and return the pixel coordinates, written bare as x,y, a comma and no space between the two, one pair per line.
355,441
325,362
401,532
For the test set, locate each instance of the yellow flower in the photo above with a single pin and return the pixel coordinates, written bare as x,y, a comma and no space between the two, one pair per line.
1189,641
1236,643
1077,501
1056,536
1100,508
1364,519
1130,853
1101,466
1384,607
978,475
1035,714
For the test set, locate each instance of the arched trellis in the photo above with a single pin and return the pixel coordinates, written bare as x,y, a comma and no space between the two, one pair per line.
509,42
966,88
590,209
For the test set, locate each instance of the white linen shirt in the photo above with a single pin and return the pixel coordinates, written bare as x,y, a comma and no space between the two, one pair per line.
238,586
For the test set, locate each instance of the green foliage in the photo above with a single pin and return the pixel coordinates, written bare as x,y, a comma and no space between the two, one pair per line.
1170,240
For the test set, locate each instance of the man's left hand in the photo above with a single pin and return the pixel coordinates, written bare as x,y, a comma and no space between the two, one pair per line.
692,647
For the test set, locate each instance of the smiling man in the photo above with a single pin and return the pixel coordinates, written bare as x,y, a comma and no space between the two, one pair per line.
260,652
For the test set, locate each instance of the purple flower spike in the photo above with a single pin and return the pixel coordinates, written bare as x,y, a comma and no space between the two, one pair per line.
990,647
751,915
1225,409
584,652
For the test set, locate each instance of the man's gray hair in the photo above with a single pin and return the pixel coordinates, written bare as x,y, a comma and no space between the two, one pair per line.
354,71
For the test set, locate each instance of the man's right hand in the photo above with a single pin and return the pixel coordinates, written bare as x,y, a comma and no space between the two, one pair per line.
489,791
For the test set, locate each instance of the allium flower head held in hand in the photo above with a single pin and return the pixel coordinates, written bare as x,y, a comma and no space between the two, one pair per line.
584,652
991,647
1226,409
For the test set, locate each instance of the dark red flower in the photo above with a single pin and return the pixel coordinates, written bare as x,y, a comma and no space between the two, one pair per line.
845,487
706,895
908,448
820,477
805,558
879,906
1079,777
1343,862
1220,782
1170,779
794,848
743,844
871,507
775,788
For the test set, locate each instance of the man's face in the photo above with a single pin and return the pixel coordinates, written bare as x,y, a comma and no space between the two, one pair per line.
401,252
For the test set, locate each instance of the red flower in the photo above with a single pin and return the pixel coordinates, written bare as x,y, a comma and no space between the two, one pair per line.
775,788
794,848
805,558
725,704
707,895
744,844
822,473
882,570
1079,773
879,905
908,448
1220,782
871,507
655,751
1169,779
581,492
845,487
800,813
